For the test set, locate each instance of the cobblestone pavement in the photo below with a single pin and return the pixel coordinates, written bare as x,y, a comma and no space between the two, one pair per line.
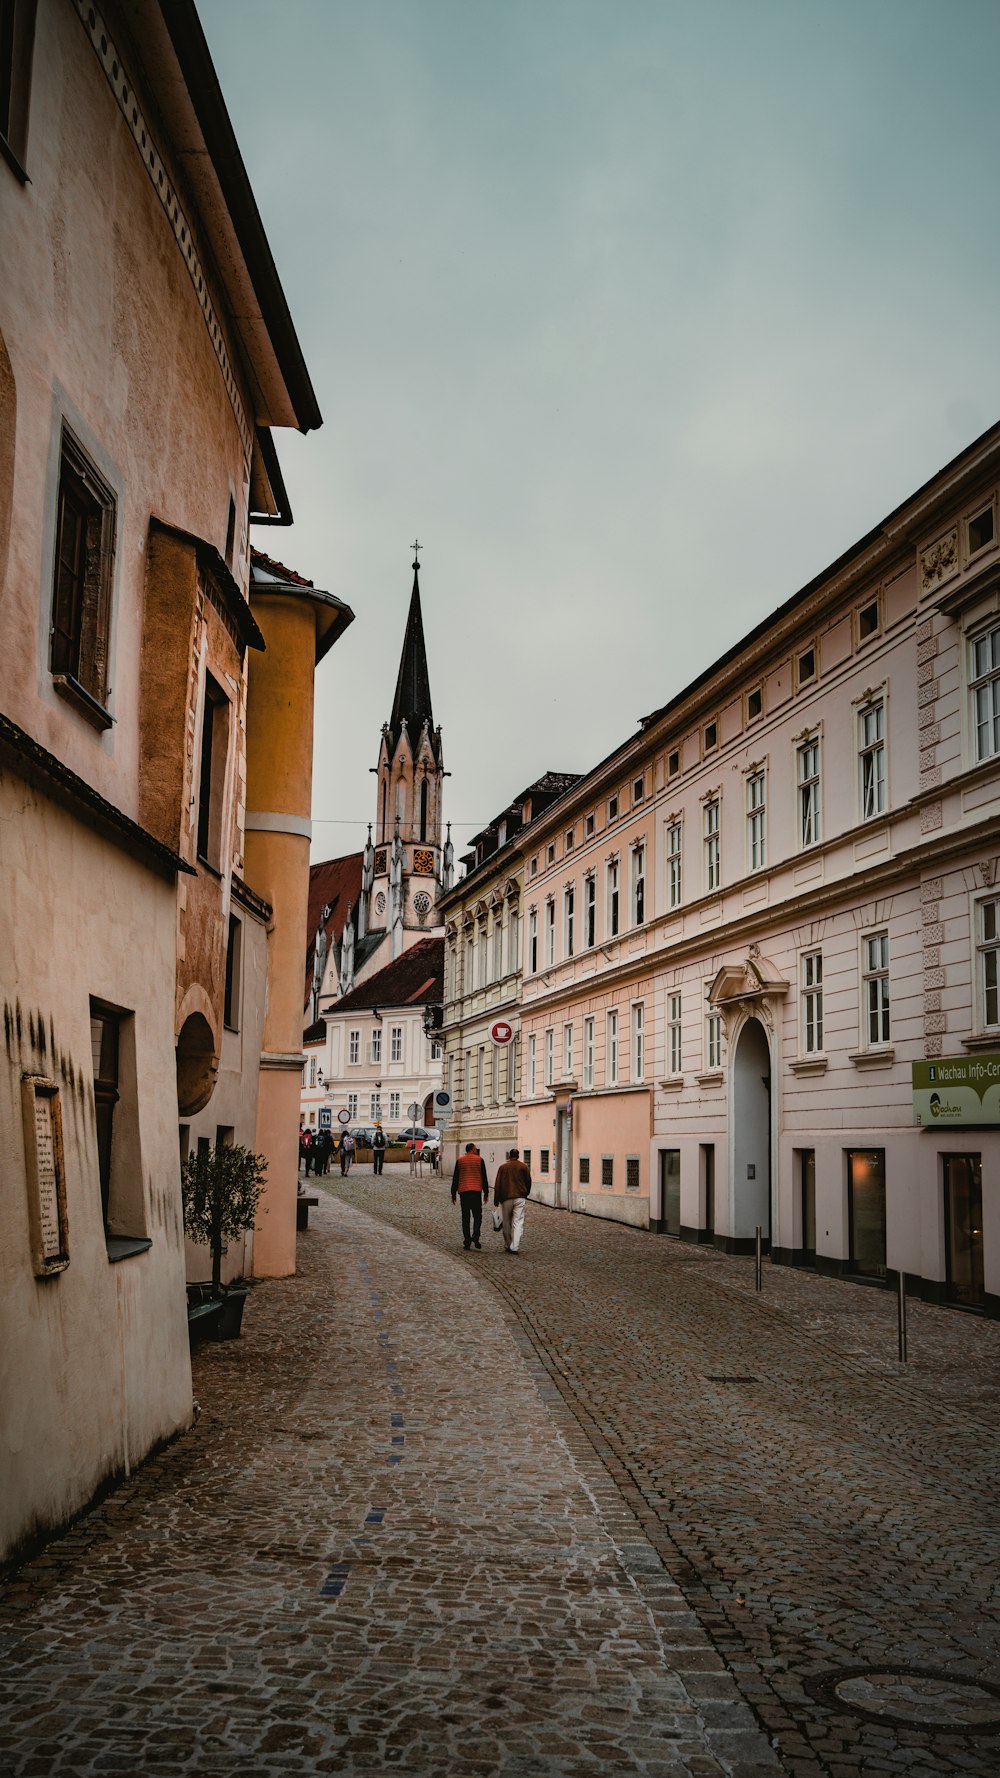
387,1545
823,1509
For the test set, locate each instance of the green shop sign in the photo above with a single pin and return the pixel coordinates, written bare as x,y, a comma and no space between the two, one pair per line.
957,1090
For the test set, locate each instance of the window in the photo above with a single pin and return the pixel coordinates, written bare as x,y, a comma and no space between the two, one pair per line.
612,898
632,1174
674,762
352,1105
435,1044
638,1041
375,1111
675,1035
312,1071
981,530
674,889
376,1046
569,915
550,853
711,736
470,962
757,820
808,777
474,1059
393,1107
986,693
585,1169
231,533
988,954
533,941
713,1040
638,791
871,758
869,622
755,703
567,1052
588,827
866,1211
212,773
550,933
532,1066
543,1160
607,1172
497,948
611,1064
533,867
234,956
526,1157
495,1077
811,978
807,665
81,597
590,911
638,885
17,30
104,1041
876,987
713,861
481,1074
588,1055
396,1043
513,959
353,1047
612,808
570,839
512,1055
550,1056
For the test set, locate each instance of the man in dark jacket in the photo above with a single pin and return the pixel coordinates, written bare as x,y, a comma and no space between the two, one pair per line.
467,1181
378,1150
510,1188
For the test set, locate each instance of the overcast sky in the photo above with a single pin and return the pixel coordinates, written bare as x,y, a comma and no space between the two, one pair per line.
636,312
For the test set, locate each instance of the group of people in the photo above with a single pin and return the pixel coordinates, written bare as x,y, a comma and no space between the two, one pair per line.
317,1148
470,1186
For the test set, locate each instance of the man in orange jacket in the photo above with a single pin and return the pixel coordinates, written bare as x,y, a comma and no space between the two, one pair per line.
467,1182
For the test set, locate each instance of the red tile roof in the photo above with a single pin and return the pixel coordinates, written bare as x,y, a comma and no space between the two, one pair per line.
278,569
336,883
414,979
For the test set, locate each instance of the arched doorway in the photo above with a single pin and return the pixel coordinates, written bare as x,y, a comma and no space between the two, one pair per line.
751,1126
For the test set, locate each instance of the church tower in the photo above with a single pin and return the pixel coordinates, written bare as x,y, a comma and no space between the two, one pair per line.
405,868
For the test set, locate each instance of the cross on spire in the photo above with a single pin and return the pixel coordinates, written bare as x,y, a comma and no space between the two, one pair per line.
417,547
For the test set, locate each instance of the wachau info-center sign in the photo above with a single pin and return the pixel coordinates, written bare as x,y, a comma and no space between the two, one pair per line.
957,1090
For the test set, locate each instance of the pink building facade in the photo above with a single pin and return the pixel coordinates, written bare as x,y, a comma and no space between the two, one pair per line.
747,928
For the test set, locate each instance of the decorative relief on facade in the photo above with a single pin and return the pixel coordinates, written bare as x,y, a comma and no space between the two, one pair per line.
940,561
423,863
46,1174
987,868
933,1046
380,865
121,86
931,817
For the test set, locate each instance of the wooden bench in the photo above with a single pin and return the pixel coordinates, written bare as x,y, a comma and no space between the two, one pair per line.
303,1205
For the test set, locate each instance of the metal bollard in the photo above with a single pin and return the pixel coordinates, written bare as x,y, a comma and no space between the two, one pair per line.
759,1275
902,1316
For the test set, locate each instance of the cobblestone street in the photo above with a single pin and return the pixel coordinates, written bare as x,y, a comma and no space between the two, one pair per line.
597,1507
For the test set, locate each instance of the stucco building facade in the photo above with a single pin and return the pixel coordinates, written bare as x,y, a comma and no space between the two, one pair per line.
145,353
745,927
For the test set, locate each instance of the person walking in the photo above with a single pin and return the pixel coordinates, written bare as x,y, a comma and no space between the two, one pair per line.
467,1181
346,1152
378,1150
321,1151
510,1188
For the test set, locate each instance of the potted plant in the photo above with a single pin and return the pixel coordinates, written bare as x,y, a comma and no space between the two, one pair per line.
221,1189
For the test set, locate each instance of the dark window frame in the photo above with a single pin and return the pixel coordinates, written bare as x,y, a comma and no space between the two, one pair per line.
82,583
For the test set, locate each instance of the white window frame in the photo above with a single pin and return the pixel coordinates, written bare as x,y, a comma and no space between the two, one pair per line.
569,920
394,1103
497,947
532,941
375,1045
712,843
532,1066
638,887
568,1051
590,910
352,1106
675,863
638,1040
713,1040
811,1034
986,937
588,1055
984,692
873,793
675,1033
550,932
550,1055
756,795
876,1015
513,958
395,1043
375,1103
808,777
354,1049
611,1057
612,899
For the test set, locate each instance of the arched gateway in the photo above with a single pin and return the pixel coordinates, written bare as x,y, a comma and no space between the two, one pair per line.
745,994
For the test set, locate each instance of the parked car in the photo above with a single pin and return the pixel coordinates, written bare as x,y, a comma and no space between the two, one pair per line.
364,1135
418,1136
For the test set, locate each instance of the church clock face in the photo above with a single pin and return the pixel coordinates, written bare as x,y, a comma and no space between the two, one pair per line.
423,864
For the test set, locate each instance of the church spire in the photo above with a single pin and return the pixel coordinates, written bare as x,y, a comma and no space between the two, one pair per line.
412,703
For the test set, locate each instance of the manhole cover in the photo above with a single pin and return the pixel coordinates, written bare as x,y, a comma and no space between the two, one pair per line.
915,1697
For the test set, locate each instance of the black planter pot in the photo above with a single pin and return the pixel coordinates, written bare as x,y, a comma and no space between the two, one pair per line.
231,1320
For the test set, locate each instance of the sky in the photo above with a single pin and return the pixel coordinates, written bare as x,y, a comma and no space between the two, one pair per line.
637,313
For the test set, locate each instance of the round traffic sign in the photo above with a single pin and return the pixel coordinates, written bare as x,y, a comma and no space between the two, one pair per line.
413,1111
344,1116
501,1031
442,1101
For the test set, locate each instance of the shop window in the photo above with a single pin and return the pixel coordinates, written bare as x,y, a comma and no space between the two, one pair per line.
963,1227
866,1211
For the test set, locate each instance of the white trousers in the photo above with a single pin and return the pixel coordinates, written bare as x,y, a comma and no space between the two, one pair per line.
512,1211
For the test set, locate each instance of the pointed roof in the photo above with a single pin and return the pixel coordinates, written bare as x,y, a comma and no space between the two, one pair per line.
412,702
